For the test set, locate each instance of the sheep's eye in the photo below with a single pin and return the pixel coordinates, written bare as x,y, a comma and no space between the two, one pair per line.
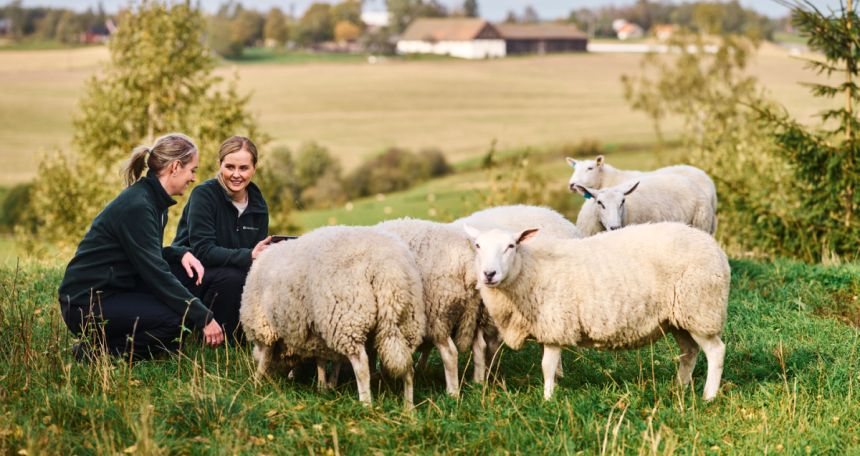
510,246
601,205
477,246
590,168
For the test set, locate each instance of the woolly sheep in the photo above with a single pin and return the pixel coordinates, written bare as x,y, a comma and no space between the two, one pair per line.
515,218
651,198
618,289
326,293
445,260
598,174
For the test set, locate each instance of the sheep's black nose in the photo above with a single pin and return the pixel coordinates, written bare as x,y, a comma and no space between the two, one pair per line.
489,274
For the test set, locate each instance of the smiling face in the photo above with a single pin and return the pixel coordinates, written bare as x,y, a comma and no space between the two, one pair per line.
181,175
586,173
496,253
237,170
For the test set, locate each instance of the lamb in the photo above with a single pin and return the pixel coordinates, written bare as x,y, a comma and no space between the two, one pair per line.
598,174
618,289
514,218
445,260
658,197
328,293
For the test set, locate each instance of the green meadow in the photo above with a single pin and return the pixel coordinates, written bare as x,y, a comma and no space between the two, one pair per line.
790,386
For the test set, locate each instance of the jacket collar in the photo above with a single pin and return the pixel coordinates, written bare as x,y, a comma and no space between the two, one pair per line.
256,202
160,197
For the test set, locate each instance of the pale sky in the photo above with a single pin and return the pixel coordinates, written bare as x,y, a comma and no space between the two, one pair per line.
493,10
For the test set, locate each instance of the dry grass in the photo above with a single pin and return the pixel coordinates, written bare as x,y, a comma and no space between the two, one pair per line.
357,109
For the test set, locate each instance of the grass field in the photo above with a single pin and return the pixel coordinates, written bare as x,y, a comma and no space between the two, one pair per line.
358,108
790,386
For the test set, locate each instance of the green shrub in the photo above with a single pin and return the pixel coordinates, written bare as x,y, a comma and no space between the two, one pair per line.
15,210
395,169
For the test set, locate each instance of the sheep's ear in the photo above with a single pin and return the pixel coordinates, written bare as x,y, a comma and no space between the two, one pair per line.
588,193
472,232
599,160
526,235
571,162
631,189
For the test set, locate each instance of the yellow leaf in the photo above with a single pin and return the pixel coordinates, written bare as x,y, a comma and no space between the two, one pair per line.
130,450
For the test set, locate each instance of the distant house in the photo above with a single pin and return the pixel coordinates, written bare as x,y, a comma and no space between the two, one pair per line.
542,38
468,38
663,31
629,31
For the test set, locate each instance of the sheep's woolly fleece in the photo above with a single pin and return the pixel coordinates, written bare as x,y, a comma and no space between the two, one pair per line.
322,295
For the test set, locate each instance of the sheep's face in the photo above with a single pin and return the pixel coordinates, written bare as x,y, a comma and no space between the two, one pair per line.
611,209
496,253
586,173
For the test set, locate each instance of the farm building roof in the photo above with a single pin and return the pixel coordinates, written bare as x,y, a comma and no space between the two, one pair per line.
539,31
449,29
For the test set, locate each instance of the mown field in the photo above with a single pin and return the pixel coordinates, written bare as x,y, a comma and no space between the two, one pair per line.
790,386
357,108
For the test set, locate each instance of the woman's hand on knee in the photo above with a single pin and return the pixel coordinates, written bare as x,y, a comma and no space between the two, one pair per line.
260,247
213,335
192,265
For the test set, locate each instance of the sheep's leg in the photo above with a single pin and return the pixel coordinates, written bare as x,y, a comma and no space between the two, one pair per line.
408,402
263,355
559,373
335,374
361,368
493,346
689,352
448,351
549,364
479,357
424,357
715,352
321,384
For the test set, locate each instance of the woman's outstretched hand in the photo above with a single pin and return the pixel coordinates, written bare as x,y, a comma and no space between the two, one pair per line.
260,247
192,265
213,335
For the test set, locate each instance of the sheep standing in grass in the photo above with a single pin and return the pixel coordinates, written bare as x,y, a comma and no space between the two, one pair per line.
445,260
619,289
515,218
325,294
662,197
598,174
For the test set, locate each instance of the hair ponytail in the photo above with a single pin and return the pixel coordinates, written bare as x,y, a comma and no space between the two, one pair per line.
166,150
134,168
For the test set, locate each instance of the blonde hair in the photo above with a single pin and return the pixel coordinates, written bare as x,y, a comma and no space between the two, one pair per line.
232,145
166,149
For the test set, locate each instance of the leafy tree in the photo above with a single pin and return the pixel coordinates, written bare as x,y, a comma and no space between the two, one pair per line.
316,24
825,162
14,211
403,12
511,17
530,15
347,10
345,31
247,26
159,79
276,27
470,7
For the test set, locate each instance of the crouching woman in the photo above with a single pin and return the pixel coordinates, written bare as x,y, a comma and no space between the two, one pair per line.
119,283
225,224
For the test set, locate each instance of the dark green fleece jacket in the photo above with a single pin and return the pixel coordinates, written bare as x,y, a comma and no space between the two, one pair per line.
212,228
122,252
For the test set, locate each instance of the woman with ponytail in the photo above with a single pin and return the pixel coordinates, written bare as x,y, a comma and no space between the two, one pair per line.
119,287
225,224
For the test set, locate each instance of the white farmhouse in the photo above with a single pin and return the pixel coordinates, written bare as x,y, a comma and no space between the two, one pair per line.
467,38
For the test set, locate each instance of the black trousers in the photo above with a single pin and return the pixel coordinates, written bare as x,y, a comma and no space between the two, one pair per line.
221,292
127,323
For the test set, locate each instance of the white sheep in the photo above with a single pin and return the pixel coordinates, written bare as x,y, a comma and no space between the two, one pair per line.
514,218
445,260
618,289
656,197
598,174
326,293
